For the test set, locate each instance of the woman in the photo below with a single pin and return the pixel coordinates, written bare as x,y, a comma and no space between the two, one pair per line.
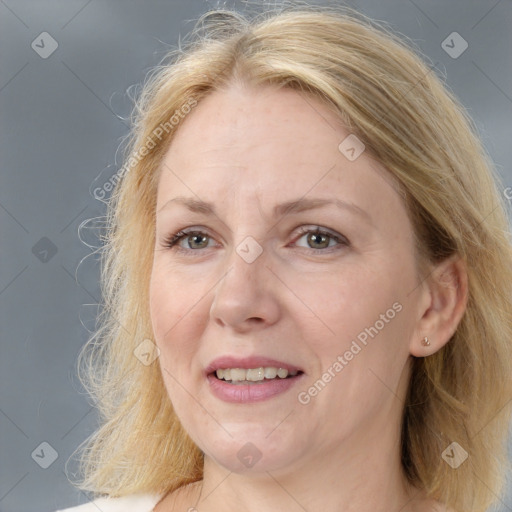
307,277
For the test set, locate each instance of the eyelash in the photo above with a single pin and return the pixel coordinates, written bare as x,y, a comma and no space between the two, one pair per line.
172,240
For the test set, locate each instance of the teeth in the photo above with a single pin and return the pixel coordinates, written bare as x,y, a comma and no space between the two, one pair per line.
270,373
282,373
253,374
238,374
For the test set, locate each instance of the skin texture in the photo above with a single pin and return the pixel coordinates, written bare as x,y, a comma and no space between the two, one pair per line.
245,151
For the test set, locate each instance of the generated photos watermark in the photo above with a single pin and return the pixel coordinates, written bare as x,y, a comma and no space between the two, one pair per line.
138,155
304,397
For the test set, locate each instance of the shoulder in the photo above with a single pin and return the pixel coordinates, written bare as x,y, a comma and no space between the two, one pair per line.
442,507
438,506
430,505
132,503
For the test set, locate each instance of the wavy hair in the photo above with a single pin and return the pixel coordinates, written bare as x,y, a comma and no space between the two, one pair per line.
383,90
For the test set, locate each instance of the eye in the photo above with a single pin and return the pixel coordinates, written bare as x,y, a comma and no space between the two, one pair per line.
193,238
319,239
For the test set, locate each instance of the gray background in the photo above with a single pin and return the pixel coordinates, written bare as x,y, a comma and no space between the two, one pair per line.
62,120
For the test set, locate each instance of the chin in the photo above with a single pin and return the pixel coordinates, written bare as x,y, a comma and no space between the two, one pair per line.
250,452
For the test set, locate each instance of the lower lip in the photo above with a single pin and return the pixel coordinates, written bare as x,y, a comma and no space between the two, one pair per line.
247,393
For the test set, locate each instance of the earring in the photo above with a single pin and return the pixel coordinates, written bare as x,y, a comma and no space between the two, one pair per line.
425,342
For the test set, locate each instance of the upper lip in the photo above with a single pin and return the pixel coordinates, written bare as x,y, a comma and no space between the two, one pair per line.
248,362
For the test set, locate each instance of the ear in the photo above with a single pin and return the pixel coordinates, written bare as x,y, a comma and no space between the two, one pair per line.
443,300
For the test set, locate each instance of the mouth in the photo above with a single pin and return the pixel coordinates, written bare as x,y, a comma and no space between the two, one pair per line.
262,374
250,379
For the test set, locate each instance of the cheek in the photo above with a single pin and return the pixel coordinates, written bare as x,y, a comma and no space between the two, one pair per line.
339,306
176,326
175,311
361,317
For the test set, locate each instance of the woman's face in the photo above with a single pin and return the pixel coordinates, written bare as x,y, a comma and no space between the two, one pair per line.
253,174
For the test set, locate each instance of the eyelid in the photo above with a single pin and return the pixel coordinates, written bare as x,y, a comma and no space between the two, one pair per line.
172,241
338,237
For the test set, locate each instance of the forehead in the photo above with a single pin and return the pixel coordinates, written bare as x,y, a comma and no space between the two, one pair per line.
240,121
267,144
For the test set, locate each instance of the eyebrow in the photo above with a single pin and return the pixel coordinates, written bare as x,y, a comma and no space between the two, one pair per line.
294,206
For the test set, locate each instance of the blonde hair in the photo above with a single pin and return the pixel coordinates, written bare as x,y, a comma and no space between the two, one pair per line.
411,123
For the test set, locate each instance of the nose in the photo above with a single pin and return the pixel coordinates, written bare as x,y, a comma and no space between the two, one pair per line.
246,297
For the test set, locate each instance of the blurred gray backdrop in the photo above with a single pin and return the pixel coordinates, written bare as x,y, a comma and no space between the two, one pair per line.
65,69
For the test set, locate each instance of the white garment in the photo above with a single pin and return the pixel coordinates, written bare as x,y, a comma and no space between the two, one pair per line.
131,503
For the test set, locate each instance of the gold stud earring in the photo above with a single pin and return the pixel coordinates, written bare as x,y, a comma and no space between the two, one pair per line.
425,342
